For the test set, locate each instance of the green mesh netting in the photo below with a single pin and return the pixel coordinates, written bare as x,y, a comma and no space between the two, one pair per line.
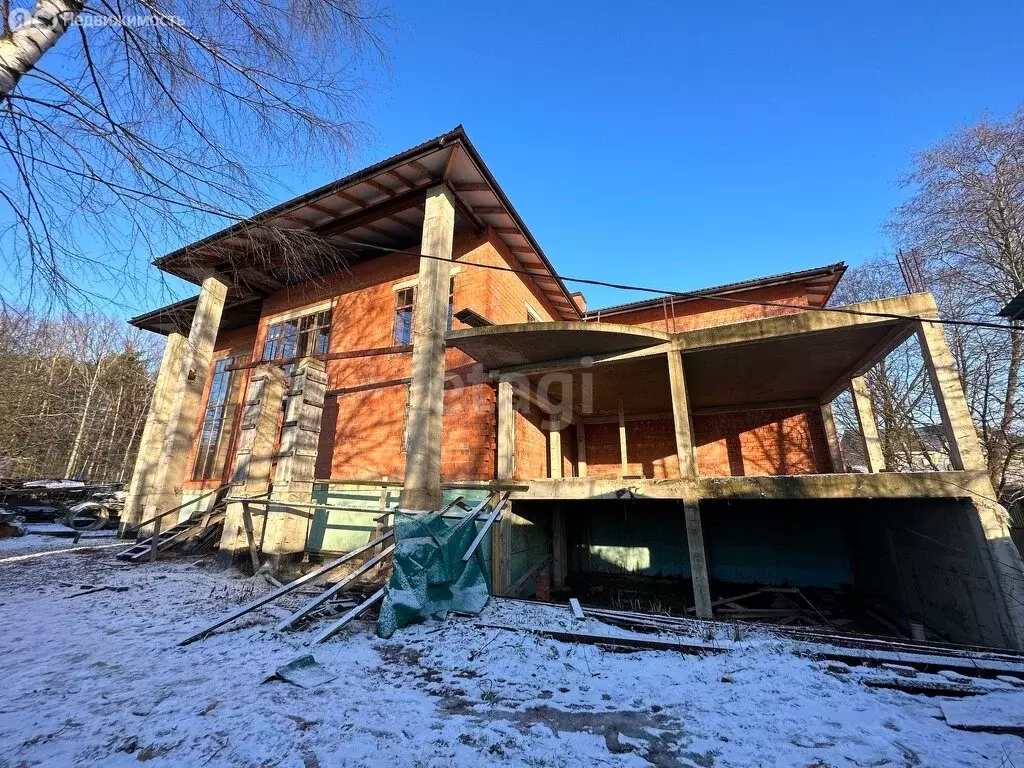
428,577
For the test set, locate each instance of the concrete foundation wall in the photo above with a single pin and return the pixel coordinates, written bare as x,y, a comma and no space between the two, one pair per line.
938,561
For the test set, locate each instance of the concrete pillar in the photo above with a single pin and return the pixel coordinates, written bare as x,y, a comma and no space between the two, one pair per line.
422,488
682,417
964,448
254,458
868,429
581,449
623,456
698,560
835,453
172,465
501,531
555,454
168,380
559,566
284,537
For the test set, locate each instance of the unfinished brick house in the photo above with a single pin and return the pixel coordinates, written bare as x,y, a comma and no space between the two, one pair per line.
679,449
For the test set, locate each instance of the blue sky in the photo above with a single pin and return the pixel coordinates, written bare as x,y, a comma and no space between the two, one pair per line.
687,144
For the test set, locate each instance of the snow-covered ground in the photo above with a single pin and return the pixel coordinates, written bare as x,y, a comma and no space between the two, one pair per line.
99,679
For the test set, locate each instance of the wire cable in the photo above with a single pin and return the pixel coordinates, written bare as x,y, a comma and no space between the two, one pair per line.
690,295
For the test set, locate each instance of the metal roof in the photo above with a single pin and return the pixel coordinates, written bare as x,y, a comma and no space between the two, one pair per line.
1014,309
377,209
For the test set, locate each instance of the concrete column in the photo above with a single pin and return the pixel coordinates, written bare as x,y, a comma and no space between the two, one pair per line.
835,453
581,449
558,550
698,560
168,380
172,465
254,459
555,454
285,532
682,417
868,429
501,531
964,448
623,455
422,488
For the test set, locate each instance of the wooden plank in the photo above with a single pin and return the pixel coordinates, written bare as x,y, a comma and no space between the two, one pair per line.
486,526
577,609
274,595
249,537
532,571
327,594
641,643
359,609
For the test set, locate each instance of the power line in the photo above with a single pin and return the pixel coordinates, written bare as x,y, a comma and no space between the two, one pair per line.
701,295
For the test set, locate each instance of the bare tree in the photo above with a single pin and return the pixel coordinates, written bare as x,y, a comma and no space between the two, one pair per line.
900,392
966,219
76,391
128,124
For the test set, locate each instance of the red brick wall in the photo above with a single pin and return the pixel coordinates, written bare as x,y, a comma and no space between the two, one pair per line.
361,435
650,449
772,442
362,432
531,445
702,313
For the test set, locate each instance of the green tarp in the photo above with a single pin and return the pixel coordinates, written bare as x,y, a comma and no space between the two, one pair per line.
428,577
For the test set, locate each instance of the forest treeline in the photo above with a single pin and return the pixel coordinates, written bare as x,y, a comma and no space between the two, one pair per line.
74,395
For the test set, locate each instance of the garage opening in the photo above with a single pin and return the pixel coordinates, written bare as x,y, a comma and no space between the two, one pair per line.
897,567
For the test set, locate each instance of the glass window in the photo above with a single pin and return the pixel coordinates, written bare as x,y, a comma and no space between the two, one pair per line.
215,435
298,337
451,303
403,315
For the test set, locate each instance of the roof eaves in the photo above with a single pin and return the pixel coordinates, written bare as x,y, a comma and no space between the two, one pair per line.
322,191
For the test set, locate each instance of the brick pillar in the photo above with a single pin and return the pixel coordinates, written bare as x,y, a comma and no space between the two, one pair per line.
422,488
284,536
168,380
172,466
257,444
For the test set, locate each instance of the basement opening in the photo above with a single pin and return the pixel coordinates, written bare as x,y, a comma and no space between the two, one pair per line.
897,567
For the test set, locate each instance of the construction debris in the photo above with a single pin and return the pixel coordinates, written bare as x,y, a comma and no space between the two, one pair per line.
358,610
434,569
614,641
993,713
89,589
277,593
304,672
